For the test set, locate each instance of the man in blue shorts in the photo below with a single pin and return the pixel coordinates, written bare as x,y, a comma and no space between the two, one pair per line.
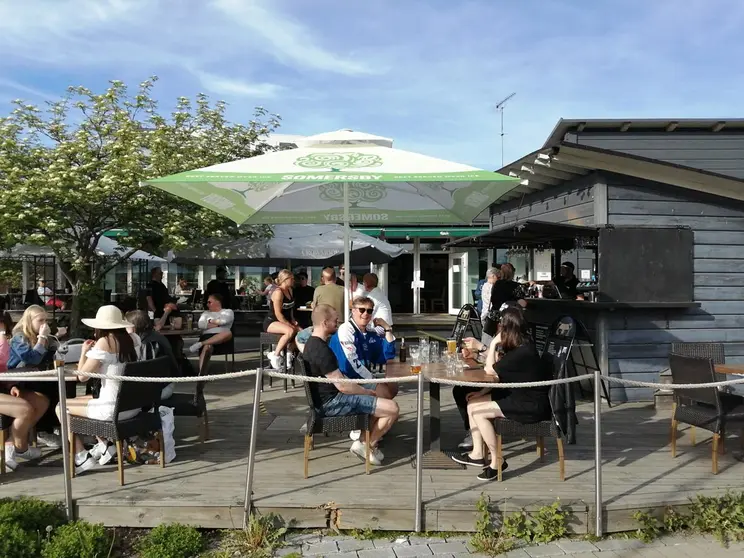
345,398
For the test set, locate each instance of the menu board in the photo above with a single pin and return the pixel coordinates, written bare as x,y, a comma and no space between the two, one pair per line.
540,335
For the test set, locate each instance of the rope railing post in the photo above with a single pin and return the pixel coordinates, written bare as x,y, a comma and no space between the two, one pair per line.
598,452
252,446
65,435
419,507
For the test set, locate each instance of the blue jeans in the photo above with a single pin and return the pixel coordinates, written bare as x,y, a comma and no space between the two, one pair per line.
344,404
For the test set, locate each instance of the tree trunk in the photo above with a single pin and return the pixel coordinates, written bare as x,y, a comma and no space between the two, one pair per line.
87,297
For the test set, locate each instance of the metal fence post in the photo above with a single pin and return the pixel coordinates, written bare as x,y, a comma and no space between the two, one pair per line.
252,446
65,435
419,453
598,452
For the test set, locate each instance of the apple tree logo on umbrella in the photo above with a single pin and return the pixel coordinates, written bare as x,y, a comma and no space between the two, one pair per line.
338,161
359,192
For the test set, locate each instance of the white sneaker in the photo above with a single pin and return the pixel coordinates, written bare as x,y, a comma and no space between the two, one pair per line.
375,455
84,462
290,361
49,440
274,360
98,450
195,347
107,455
30,453
355,435
10,463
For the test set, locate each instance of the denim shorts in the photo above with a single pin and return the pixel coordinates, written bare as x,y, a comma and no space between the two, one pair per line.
304,336
344,404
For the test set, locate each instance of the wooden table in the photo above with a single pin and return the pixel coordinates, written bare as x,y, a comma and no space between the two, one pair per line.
435,458
729,368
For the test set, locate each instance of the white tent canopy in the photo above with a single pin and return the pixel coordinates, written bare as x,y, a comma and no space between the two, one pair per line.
107,247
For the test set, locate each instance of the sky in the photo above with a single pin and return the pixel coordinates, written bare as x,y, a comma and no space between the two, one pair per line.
427,73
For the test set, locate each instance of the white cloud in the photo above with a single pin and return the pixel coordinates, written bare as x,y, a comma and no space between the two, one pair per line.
237,87
290,41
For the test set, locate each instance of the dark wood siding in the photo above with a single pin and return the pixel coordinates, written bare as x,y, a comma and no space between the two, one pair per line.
571,202
640,341
721,152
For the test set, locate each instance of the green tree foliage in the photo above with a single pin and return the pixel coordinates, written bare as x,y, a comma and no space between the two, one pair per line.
72,172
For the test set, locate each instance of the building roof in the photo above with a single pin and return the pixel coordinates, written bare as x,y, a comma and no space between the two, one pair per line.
617,125
526,232
556,164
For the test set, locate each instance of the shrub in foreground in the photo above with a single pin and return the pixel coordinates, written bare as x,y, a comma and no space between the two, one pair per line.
171,541
79,539
17,543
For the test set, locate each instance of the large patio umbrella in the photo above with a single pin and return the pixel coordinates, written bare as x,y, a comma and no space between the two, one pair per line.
341,177
303,244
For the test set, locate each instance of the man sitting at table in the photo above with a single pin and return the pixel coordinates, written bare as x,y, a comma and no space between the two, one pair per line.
216,324
344,398
360,344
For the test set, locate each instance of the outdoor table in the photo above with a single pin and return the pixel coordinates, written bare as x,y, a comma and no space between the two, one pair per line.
435,458
304,309
729,369
169,331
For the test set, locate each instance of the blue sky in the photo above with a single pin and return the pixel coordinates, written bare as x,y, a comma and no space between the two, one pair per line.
424,72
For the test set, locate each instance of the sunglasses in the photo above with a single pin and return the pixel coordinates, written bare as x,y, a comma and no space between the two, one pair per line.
362,311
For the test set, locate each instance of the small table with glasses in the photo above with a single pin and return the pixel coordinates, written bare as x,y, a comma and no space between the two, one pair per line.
435,457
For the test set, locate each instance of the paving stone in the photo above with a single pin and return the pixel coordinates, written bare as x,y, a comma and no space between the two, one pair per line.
455,547
288,550
619,544
417,539
412,551
341,555
576,546
302,538
319,549
377,553
352,544
386,543
550,549
516,553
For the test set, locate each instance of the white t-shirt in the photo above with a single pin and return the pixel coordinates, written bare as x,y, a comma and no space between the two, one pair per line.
224,320
382,305
44,293
102,408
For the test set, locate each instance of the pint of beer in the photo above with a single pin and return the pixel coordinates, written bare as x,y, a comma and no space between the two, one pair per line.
452,346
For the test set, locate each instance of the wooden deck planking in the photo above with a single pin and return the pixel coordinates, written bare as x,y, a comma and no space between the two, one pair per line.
205,486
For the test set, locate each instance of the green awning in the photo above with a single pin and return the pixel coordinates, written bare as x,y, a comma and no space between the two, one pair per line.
423,232
116,233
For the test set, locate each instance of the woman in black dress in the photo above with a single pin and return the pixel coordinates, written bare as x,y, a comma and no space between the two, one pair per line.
280,319
512,357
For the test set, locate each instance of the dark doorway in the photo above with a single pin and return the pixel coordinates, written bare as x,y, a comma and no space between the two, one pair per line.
433,273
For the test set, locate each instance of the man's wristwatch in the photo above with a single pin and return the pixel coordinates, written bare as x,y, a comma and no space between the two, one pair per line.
389,330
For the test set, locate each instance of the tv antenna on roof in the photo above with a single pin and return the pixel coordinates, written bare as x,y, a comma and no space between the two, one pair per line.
500,107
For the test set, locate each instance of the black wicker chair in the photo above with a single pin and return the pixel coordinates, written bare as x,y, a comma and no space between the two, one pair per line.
228,349
318,424
706,408
556,353
193,404
132,395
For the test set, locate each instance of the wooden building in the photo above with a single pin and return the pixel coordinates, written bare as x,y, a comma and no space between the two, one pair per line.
687,173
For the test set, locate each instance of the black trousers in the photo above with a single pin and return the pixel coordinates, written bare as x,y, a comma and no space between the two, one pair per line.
460,393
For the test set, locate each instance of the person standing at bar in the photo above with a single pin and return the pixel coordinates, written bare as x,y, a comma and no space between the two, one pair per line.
566,282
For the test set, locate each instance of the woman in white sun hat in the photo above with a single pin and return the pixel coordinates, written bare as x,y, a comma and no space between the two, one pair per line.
108,353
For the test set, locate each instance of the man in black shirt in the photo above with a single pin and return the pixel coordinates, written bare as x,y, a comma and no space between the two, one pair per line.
344,399
219,286
158,299
303,295
567,282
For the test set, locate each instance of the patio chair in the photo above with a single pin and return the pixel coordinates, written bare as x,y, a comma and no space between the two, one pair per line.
227,349
132,395
563,410
318,424
706,408
193,404
265,341
713,351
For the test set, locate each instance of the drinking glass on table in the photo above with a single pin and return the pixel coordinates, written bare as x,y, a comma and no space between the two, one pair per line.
414,351
434,351
452,345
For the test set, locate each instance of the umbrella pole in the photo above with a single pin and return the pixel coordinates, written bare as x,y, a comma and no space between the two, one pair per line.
347,277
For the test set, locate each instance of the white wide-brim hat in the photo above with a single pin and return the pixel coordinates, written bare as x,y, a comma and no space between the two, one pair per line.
107,317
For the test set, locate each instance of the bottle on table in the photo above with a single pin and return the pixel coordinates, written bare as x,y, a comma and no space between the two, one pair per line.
402,354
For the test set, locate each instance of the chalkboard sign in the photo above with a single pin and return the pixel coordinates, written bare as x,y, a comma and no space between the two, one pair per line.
540,336
467,319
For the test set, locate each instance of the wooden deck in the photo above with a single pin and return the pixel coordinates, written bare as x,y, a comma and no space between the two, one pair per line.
205,486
